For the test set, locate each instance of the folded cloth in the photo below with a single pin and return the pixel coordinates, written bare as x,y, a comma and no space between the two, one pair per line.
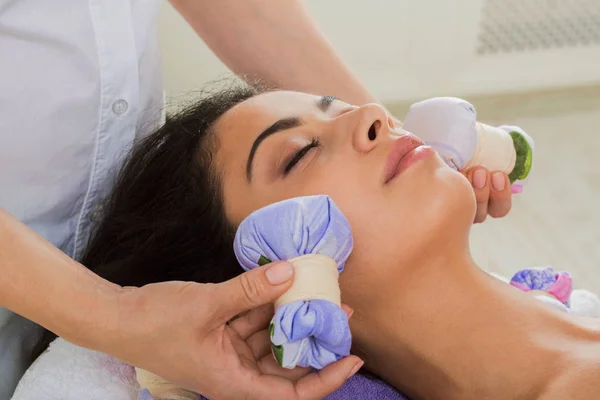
556,290
69,372
585,304
309,329
545,280
361,387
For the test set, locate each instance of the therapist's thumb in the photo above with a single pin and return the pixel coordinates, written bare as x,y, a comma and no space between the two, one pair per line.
255,288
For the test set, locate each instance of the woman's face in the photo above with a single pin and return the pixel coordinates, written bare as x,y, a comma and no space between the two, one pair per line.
280,145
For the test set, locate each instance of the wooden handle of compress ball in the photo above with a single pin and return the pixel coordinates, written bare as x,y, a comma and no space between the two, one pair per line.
315,277
495,149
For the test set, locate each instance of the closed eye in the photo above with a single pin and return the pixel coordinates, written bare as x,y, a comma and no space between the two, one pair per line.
298,155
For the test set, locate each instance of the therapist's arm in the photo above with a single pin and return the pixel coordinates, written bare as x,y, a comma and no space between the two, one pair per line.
276,40
177,330
43,284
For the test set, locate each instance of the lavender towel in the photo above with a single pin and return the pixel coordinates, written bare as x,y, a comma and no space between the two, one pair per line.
358,387
313,333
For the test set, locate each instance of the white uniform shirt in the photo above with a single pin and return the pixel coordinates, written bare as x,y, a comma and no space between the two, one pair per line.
79,81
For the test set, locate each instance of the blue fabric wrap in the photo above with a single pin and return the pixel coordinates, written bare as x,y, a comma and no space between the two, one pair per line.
312,333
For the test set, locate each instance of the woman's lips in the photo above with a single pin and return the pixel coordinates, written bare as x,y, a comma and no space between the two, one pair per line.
404,152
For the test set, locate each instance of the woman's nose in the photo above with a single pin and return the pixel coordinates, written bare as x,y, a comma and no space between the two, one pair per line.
372,125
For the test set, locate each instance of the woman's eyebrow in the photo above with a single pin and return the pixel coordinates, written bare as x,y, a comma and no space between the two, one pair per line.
283,124
325,102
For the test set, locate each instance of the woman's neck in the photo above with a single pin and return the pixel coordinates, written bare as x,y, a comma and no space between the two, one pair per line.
454,331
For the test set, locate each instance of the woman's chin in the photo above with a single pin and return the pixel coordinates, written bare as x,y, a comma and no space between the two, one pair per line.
442,206
440,191
455,199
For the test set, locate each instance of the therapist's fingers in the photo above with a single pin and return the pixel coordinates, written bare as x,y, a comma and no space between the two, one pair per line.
268,365
313,386
253,321
253,289
500,201
260,344
480,180
323,382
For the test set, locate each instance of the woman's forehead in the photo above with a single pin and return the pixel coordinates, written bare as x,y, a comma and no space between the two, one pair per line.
237,128
269,107
243,123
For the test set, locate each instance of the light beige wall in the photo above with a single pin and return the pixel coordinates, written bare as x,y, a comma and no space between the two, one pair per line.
366,34
402,50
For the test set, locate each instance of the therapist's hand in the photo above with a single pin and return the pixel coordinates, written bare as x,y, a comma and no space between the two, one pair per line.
180,332
492,191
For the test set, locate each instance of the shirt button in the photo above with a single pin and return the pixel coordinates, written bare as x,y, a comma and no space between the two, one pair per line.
96,215
120,106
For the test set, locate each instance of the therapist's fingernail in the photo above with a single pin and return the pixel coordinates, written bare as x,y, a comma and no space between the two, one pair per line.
498,181
279,272
479,178
356,368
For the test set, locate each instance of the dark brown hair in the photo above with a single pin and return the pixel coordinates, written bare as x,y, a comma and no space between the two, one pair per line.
164,219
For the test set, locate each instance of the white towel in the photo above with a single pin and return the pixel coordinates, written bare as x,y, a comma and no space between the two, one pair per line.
68,372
